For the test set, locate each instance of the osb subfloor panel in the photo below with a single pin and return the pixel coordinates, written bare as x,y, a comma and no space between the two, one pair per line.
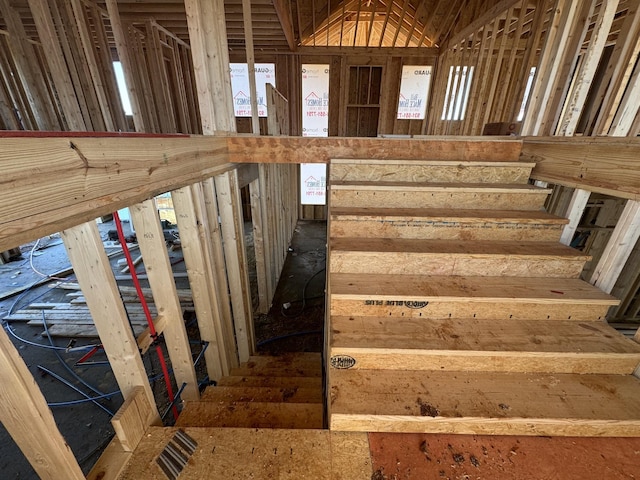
230,453
320,454
476,457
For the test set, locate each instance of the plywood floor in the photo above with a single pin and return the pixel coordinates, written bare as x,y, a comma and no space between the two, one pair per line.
477,457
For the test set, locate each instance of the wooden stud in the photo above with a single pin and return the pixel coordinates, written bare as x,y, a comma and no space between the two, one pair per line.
619,247
263,277
203,284
153,248
248,47
591,59
208,36
128,66
214,234
29,421
31,78
623,122
86,39
232,223
576,208
91,266
550,60
621,64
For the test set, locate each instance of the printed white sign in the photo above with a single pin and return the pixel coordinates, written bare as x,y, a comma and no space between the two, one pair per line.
315,100
265,73
313,179
315,123
414,92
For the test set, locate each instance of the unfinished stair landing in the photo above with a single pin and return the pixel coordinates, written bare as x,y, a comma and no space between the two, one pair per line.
453,308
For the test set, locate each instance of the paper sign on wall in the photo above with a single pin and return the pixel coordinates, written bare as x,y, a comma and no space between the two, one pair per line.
265,73
313,179
315,123
315,100
414,92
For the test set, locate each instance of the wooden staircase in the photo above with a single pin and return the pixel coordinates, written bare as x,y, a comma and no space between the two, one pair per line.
282,392
453,308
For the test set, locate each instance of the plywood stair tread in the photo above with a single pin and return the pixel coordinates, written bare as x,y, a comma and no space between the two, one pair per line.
485,403
473,163
240,453
476,345
271,381
431,171
457,247
289,364
445,215
293,394
457,288
251,415
438,187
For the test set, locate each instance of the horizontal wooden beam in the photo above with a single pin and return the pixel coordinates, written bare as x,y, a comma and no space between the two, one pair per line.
598,164
253,149
49,184
423,52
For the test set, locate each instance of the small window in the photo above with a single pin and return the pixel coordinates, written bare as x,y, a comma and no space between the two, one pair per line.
527,92
122,88
457,94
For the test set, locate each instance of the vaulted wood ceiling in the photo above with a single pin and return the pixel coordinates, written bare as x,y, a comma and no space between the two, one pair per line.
288,24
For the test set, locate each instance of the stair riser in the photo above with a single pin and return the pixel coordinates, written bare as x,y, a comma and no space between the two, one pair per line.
256,394
271,382
484,426
431,173
459,361
530,200
432,230
491,402
441,264
251,415
466,308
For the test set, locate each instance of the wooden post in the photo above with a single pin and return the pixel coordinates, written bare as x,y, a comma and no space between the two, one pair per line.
31,78
101,89
214,234
91,265
590,62
29,421
263,277
159,272
121,41
619,247
574,213
229,203
550,61
203,285
210,52
251,64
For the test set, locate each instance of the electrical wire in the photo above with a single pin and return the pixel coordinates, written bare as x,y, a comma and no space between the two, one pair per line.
145,308
304,297
76,389
33,249
63,363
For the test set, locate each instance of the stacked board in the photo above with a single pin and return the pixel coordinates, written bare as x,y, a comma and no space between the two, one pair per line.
454,308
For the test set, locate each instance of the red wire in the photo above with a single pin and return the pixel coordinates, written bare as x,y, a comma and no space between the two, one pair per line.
147,312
